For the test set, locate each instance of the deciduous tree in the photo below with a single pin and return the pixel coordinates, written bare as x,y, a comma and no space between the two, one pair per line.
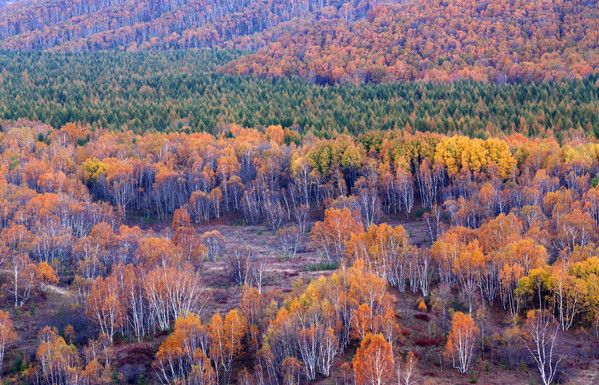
181,358
226,336
541,339
330,235
461,341
8,335
104,306
374,362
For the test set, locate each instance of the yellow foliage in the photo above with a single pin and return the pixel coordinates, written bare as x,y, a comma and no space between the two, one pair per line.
93,169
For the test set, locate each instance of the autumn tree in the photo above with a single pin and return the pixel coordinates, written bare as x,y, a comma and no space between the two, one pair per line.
189,243
181,219
158,251
317,323
587,275
228,165
118,182
330,235
173,292
469,267
362,322
374,362
59,363
182,356
226,336
302,177
45,275
214,241
386,251
187,240
96,364
255,307
275,134
104,306
288,241
405,369
532,289
292,371
368,199
240,265
568,292
8,335
518,258
131,293
541,338
447,250
461,341
22,278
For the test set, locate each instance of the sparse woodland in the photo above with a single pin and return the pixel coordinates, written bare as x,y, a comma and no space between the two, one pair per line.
511,228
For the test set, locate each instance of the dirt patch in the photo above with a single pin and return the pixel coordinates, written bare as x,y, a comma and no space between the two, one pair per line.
280,273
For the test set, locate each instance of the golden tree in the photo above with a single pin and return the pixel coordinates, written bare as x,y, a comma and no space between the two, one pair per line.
182,358
461,341
330,235
226,337
374,363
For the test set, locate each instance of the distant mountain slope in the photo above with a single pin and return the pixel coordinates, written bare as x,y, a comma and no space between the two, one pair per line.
437,40
122,24
331,41
6,2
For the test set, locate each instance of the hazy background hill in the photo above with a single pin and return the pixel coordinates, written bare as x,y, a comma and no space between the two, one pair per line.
128,24
331,41
6,2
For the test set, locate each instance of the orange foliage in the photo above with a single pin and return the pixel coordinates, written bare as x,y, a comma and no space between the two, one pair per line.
330,235
461,341
374,362
8,335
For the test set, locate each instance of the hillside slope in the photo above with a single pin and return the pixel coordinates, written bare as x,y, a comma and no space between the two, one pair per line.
5,2
129,24
331,41
438,40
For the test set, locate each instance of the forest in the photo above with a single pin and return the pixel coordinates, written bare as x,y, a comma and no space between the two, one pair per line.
436,40
331,41
299,192
381,255
183,91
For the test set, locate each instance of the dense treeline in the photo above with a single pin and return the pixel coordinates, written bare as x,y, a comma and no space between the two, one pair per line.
331,41
177,90
436,40
118,24
513,223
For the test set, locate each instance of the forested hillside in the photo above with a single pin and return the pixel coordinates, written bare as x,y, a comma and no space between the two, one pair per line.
332,41
179,90
438,40
130,24
299,192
